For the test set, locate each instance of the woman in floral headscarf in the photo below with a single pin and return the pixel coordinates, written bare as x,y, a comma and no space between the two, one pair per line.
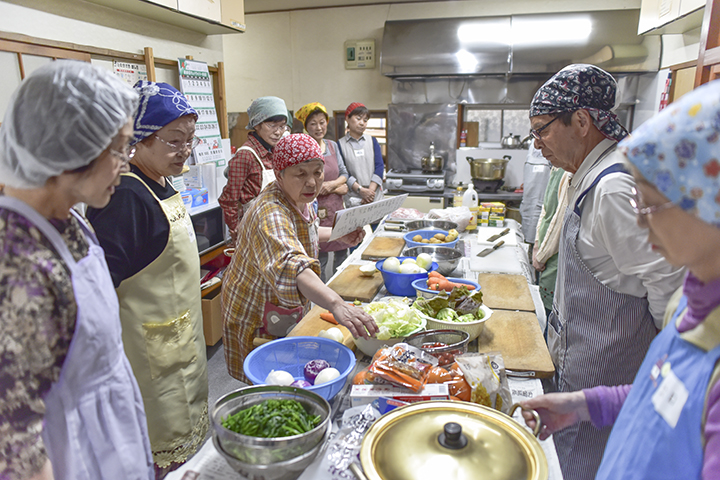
151,250
267,289
667,423
314,117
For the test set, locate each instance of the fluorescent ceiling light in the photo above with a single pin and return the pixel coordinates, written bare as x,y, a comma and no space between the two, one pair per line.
526,31
468,62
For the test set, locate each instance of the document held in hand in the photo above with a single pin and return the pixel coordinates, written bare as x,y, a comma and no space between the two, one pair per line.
350,219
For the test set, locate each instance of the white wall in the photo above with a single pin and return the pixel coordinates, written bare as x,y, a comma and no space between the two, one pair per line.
298,56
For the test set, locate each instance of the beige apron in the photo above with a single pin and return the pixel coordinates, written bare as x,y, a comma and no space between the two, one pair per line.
160,312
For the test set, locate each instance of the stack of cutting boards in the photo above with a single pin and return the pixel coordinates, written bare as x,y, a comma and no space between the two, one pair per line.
513,328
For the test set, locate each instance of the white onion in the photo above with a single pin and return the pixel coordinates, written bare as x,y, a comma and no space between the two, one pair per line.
327,375
279,377
333,333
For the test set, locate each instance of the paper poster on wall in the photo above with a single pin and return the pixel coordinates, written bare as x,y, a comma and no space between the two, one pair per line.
196,84
130,72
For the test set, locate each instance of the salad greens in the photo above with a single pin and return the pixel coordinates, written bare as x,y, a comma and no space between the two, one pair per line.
272,419
462,305
394,318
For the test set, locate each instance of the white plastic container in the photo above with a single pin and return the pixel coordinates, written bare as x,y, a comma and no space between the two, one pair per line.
470,200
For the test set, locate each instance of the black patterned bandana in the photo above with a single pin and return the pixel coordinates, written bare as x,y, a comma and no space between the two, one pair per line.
581,86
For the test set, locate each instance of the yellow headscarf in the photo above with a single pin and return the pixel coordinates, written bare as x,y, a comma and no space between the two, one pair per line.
306,110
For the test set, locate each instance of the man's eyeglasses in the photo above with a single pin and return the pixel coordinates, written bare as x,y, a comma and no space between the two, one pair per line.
181,145
125,155
536,133
276,127
636,203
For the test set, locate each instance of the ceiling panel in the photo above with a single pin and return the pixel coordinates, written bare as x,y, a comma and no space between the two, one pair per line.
265,6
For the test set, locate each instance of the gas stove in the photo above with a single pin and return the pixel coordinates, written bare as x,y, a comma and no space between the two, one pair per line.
415,181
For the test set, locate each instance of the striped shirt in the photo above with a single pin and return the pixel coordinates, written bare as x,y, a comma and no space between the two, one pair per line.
274,245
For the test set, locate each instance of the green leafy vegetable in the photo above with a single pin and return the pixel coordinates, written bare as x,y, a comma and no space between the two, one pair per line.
462,305
447,314
394,318
272,419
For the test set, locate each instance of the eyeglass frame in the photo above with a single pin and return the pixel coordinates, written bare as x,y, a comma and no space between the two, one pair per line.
643,211
273,128
536,132
191,144
125,156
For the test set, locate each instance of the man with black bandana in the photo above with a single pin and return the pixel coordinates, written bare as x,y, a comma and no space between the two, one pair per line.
612,289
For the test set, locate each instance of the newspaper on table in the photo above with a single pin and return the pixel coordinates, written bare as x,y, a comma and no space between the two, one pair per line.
350,219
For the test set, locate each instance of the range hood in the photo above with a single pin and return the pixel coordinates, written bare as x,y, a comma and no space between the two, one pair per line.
517,45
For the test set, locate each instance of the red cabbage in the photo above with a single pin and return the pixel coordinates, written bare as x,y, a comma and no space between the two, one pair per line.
313,367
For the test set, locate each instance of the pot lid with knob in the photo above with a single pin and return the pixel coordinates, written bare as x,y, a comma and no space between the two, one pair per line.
447,439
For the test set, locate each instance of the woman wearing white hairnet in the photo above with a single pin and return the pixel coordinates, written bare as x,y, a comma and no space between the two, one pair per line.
69,404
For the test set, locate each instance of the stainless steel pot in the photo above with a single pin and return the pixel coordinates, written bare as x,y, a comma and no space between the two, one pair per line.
431,163
510,141
526,142
488,168
446,439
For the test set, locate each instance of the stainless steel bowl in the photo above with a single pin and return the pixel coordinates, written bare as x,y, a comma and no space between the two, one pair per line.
446,258
430,225
271,456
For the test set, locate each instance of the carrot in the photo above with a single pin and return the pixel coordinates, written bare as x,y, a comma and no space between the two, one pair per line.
435,274
328,317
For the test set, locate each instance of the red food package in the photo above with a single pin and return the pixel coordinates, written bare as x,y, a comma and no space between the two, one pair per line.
402,365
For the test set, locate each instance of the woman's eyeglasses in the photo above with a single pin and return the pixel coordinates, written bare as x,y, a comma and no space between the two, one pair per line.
181,145
125,155
641,210
537,133
275,127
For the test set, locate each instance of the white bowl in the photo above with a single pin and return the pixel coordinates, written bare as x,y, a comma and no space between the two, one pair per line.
474,329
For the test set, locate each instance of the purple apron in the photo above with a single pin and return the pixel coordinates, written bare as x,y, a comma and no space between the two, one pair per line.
94,426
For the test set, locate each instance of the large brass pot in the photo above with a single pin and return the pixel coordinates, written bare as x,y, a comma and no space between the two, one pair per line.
452,440
488,168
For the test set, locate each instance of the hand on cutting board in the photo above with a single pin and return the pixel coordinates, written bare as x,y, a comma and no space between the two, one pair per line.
355,319
557,411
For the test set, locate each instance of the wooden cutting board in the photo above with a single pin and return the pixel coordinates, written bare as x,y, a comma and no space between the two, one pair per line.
518,337
311,324
509,292
352,285
383,247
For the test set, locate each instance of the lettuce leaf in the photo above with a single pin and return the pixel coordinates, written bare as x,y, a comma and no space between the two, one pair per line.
395,318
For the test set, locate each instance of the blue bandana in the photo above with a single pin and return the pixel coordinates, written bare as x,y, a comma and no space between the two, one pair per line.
678,150
581,86
160,104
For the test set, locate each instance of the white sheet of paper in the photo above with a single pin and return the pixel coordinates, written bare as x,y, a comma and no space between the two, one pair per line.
352,218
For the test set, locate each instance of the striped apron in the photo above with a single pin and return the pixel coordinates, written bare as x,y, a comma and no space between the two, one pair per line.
596,336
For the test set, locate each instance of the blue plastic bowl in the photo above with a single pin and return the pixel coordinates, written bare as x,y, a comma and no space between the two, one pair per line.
400,284
292,353
427,234
422,289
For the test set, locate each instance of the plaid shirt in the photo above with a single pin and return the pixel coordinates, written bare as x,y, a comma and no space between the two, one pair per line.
273,247
244,180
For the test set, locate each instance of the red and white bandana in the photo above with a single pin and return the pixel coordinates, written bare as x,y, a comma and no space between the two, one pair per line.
294,149
352,107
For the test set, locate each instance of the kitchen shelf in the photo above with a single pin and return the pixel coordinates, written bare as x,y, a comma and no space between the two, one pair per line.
161,13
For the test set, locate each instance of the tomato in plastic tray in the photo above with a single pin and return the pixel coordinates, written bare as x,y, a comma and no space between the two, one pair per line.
444,357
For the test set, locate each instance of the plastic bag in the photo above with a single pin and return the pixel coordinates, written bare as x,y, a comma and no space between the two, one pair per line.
402,365
407,214
459,215
485,373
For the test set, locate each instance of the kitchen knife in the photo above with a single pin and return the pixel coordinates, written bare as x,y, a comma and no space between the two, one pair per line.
498,235
491,249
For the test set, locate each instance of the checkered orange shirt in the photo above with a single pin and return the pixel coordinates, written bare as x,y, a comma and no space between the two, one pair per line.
273,247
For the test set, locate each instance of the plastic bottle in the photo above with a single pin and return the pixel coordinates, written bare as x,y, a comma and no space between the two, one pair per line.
458,198
463,138
470,200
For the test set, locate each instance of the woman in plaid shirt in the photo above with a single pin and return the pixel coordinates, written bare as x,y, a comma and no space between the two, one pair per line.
275,273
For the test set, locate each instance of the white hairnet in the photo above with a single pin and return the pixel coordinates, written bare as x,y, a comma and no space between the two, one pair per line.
60,118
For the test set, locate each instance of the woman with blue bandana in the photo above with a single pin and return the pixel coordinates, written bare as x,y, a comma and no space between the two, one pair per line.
151,250
667,423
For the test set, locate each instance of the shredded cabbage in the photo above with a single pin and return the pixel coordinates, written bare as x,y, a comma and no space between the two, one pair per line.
394,318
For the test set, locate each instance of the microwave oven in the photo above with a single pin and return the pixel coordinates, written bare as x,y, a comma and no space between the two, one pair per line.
210,229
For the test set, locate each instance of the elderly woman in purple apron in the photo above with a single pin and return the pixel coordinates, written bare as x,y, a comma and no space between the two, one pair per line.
667,423
314,117
268,286
69,398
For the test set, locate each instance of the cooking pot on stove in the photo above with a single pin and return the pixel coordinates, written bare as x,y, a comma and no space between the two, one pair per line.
510,141
488,168
447,439
431,163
